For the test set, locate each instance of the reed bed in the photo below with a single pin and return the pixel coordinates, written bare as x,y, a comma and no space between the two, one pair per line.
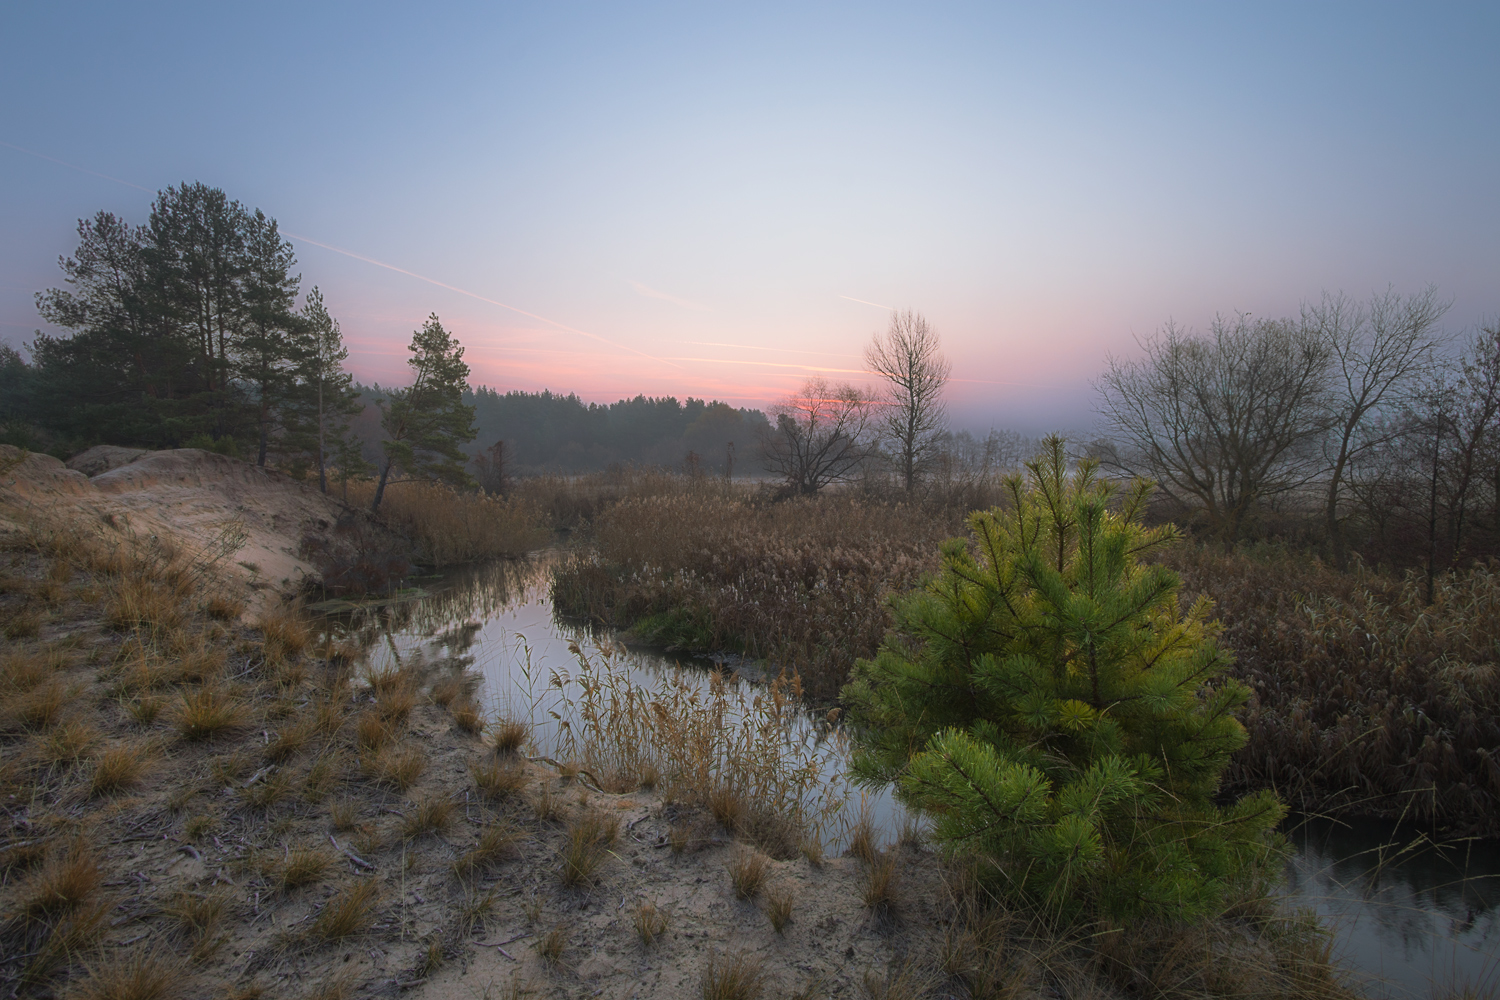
450,527
1366,698
802,583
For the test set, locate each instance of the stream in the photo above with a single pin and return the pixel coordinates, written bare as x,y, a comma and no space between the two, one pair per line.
1408,916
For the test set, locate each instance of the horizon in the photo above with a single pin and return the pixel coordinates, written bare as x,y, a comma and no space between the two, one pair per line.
719,204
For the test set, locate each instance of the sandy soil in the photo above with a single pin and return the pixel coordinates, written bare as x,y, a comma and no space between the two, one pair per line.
249,522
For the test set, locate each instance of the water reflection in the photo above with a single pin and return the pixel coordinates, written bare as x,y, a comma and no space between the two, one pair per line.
1409,913
1404,918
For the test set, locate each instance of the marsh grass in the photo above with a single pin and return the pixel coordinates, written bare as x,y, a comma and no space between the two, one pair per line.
451,527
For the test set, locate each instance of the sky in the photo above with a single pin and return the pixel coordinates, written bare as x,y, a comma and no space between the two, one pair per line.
719,200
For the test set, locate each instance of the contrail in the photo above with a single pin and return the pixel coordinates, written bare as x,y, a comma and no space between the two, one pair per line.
862,302
481,298
369,260
779,350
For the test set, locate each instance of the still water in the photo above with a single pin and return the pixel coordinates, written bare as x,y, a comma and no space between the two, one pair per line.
1407,915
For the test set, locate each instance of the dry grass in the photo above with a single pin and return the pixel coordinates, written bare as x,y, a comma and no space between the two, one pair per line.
371,732
589,838
509,735
343,814
497,842
141,974
145,603
209,712
902,981
64,745
498,780
301,866
68,877
40,707
290,740
199,914
863,840
347,913
270,788
284,635
881,884
549,947
118,768
748,871
430,814
450,527
468,717
397,767
650,923
733,977
779,902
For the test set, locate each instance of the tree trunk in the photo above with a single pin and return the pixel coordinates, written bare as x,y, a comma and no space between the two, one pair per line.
385,471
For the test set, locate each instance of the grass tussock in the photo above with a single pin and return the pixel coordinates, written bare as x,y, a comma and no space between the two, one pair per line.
67,879
468,717
498,780
284,635
430,814
509,735
395,767
881,885
209,712
650,923
497,842
119,768
347,913
549,947
732,977
301,866
779,903
748,871
589,838
139,974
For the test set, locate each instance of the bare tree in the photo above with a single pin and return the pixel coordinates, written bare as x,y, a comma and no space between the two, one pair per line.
1377,356
908,358
818,436
1224,422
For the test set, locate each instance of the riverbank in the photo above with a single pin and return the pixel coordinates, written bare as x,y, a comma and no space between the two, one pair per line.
206,800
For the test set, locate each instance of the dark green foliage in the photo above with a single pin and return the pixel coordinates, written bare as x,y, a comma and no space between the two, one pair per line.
324,398
1047,702
426,423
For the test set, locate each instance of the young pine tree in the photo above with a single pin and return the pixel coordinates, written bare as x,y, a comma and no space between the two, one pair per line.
426,422
325,397
1046,701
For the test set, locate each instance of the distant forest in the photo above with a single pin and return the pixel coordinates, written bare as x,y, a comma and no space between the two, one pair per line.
549,432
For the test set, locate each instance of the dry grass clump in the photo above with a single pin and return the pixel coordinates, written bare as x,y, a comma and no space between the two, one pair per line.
748,871
509,735
650,923
468,717
430,814
66,744
779,902
397,767
146,603
549,947
40,707
497,842
118,768
209,712
863,838
198,913
880,889
589,837
347,912
371,732
268,787
284,635
23,623
68,877
733,977
223,608
902,981
497,780
301,866
140,974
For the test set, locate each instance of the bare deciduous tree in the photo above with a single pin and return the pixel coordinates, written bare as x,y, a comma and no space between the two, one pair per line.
818,435
908,358
1222,422
1377,356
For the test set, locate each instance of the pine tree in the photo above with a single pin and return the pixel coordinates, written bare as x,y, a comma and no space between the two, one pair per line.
325,396
426,422
263,349
1047,702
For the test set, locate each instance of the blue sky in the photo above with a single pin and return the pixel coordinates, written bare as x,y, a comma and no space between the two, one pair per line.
695,199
